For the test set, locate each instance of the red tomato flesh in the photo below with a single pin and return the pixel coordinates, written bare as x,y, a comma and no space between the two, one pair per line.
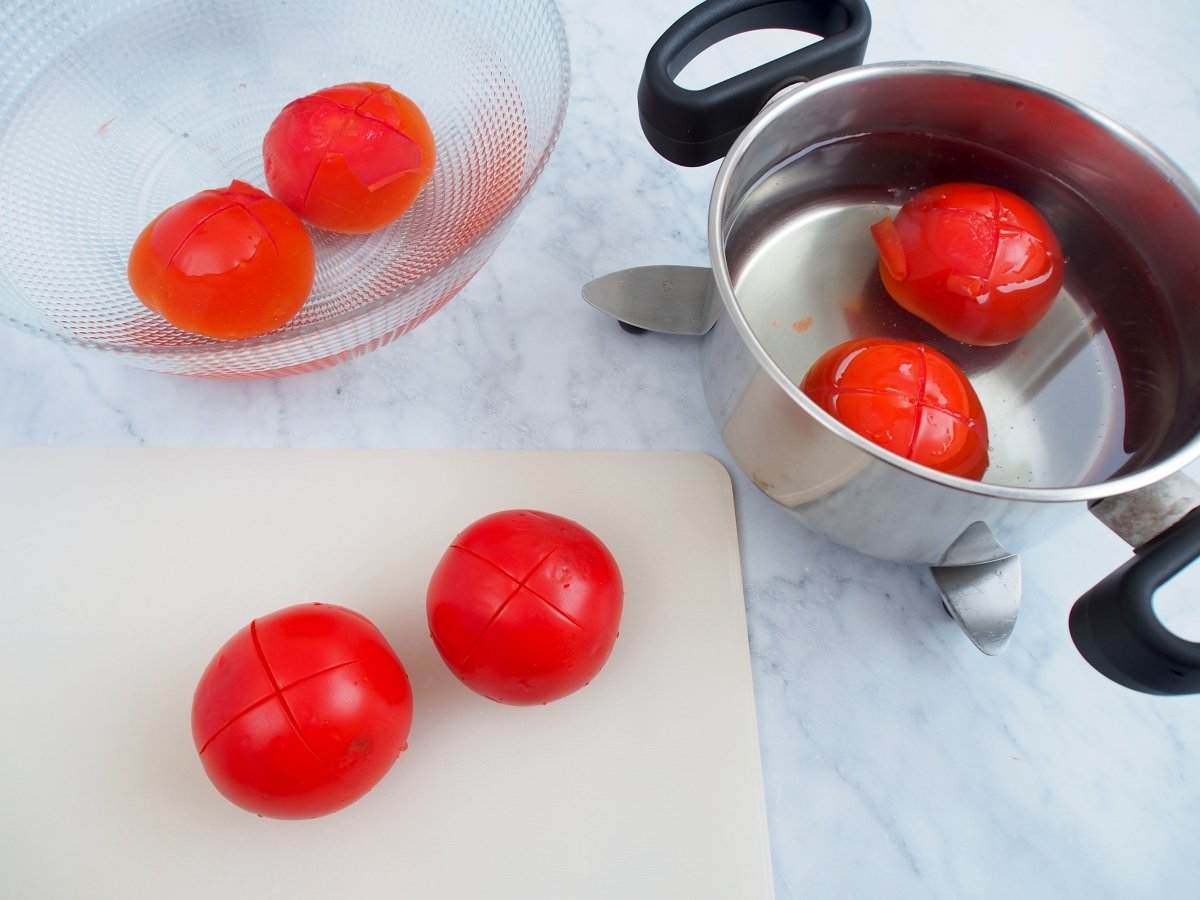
524,606
301,712
977,262
350,158
907,398
229,263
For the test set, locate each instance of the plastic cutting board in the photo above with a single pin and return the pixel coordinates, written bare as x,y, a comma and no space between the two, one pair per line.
123,571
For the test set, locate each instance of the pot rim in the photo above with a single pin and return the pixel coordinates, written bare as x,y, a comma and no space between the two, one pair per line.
796,93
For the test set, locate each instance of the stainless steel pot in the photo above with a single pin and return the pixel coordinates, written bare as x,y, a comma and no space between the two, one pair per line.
1098,404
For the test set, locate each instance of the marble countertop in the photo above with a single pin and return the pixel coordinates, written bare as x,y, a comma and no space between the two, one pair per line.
899,761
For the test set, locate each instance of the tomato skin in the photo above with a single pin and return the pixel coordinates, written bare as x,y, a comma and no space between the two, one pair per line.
229,264
977,262
907,398
301,712
350,158
524,606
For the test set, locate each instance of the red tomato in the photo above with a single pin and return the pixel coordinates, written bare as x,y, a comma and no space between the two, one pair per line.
907,398
524,606
301,712
350,158
229,263
978,263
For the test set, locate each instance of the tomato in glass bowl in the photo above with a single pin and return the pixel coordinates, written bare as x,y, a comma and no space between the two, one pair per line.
178,97
349,158
229,263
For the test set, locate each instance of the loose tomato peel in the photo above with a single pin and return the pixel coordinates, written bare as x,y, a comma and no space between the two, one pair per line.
891,250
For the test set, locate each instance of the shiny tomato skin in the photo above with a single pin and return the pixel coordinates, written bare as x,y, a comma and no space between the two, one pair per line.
301,712
977,262
228,264
525,606
906,397
350,158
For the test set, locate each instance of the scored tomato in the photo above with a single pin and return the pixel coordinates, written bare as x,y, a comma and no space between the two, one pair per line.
907,398
349,158
977,262
524,606
301,712
229,263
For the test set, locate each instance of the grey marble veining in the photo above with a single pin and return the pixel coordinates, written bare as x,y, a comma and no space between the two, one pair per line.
899,761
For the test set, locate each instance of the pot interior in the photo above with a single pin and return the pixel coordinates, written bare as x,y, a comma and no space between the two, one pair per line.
1105,390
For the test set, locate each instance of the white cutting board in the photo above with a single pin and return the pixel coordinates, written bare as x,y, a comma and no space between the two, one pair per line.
123,571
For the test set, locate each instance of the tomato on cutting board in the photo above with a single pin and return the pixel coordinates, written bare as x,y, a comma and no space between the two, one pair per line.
977,262
229,263
350,158
524,606
301,712
907,398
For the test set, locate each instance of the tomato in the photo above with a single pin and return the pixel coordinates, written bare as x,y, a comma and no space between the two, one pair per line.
978,263
229,263
524,606
301,712
907,398
350,158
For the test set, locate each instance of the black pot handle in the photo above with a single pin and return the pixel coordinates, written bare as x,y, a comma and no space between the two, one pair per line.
1115,627
692,128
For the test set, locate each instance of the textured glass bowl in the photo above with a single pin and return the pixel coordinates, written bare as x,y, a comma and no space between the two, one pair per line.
112,111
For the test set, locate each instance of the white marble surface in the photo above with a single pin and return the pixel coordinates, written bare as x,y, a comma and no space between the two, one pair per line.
899,761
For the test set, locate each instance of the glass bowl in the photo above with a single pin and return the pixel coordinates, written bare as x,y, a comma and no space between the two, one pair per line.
110,112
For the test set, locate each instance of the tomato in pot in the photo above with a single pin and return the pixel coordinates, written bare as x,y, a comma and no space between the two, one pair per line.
907,398
524,606
301,712
229,263
350,158
977,262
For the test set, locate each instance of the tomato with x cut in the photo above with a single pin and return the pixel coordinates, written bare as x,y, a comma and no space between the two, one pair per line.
350,158
228,263
907,398
524,606
301,712
976,262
